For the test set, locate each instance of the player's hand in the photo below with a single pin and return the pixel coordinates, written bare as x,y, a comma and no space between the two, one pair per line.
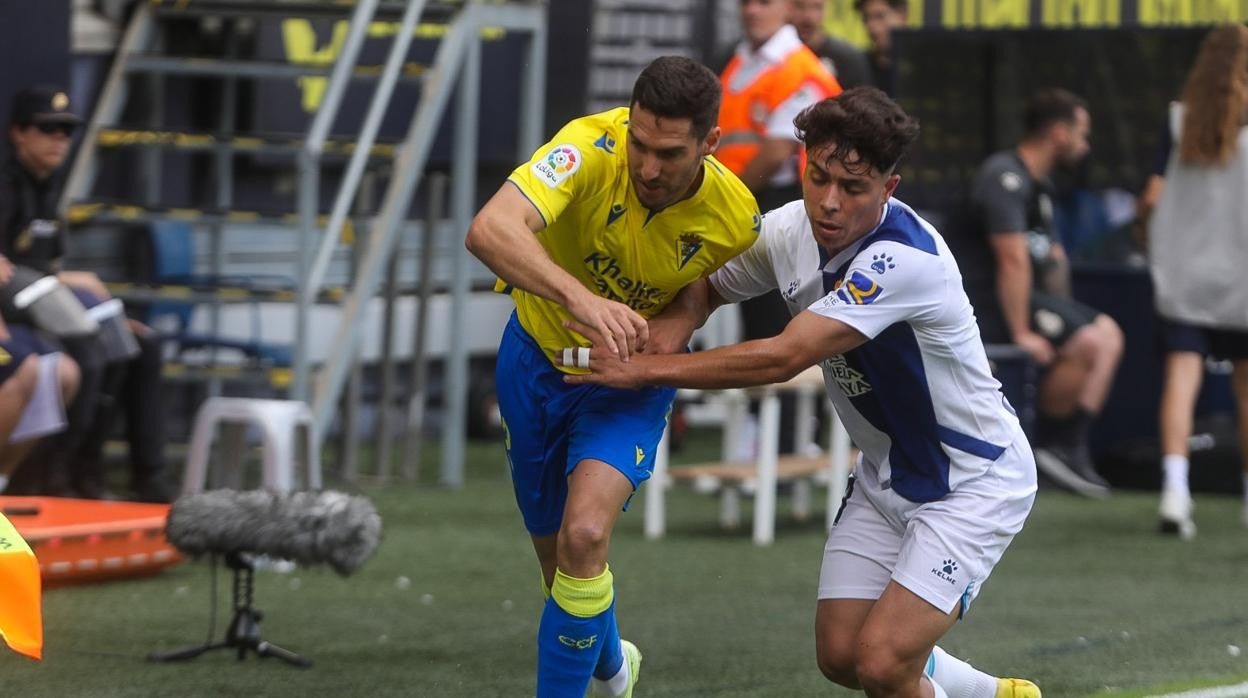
1038,348
668,336
6,270
611,325
605,368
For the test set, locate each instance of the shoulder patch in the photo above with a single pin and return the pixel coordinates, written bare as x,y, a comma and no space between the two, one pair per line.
1010,181
559,164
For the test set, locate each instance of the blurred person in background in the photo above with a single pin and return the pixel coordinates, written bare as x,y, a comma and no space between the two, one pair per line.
1017,275
846,63
1198,245
770,79
881,17
41,128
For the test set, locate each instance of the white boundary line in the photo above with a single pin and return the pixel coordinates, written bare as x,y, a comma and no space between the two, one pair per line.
1237,691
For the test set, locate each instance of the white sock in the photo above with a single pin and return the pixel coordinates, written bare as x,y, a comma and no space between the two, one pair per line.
4,482
614,686
937,691
959,679
1174,468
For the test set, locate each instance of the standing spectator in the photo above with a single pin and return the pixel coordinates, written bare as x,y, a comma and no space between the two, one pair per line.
770,79
1018,277
1203,297
846,63
881,17
32,235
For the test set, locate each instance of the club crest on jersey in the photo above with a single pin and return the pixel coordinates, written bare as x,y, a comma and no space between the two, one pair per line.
558,165
687,246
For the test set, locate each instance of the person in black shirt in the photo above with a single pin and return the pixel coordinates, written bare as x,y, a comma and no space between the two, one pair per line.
846,63
1018,278
32,235
881,17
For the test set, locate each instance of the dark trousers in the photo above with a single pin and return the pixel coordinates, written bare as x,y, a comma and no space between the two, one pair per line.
133,388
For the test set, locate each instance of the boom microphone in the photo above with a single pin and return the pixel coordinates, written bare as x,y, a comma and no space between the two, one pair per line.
309,528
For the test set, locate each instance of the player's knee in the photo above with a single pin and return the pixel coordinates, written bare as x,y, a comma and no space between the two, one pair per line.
880,671
581,540
837,665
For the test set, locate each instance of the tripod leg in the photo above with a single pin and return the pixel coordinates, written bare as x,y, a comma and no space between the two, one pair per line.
268,649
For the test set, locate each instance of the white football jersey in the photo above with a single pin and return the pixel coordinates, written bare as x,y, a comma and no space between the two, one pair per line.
917,398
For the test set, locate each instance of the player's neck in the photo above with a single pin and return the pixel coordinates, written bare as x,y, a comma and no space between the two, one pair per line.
1037,157
693,188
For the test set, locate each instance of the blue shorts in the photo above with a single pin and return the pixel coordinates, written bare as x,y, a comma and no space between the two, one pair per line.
1220,344
551,426
23,341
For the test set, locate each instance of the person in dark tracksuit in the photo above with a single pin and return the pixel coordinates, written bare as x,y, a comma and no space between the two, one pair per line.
32,235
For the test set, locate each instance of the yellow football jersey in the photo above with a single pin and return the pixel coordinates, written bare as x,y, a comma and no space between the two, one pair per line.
599,231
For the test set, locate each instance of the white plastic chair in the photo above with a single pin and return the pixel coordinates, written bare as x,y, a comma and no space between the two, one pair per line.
278,420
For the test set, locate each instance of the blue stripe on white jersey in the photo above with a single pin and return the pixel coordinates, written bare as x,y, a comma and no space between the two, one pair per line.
918,397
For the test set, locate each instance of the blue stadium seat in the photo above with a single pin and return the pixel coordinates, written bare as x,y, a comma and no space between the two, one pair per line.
173,262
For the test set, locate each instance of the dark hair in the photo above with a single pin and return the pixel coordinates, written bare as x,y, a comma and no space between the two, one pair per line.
896,5
675,87
863,121
1049,106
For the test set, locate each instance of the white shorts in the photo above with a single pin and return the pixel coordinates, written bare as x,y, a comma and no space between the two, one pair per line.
943,551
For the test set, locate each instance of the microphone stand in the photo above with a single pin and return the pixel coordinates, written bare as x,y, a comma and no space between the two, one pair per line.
244,631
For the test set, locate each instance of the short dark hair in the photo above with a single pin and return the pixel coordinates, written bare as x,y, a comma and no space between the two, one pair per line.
1049,106
897,5
675,87
862,120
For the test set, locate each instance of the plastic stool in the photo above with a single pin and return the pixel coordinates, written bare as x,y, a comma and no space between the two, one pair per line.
278,419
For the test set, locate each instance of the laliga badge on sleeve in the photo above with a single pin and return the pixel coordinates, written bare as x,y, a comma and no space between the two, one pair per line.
559,164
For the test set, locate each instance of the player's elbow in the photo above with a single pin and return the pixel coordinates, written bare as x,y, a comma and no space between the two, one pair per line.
477,239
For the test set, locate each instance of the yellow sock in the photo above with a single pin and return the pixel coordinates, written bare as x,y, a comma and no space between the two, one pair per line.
584,598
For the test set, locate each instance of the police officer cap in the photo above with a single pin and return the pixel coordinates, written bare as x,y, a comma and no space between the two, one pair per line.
42,104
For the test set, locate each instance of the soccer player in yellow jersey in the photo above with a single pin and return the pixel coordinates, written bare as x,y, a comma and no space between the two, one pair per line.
604,225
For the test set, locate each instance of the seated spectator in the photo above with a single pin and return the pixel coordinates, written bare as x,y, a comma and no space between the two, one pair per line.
32,235
1018,278
35,386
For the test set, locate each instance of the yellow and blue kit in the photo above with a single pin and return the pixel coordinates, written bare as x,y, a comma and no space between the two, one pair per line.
599,232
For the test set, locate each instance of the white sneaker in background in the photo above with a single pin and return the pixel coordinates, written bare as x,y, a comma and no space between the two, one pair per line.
1176,513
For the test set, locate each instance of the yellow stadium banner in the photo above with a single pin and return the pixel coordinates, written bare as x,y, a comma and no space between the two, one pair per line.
842,20
21,607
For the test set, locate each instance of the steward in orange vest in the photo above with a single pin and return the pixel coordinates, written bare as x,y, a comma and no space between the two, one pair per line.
763,91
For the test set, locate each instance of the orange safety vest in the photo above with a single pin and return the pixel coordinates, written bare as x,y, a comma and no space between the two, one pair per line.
743,115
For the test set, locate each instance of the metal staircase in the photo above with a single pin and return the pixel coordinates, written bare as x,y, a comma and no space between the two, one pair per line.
144,53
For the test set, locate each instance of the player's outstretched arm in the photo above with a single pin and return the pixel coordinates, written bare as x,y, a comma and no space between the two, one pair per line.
502,236
671,330
807,340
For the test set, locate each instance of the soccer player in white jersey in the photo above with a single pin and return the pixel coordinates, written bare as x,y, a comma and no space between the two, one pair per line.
946,478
